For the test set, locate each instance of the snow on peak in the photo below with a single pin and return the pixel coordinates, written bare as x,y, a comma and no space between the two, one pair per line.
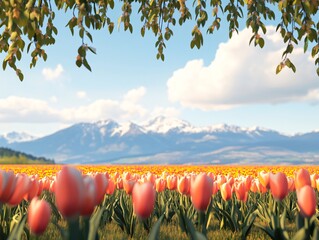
163,124
108,122
128,128
18,137
225,128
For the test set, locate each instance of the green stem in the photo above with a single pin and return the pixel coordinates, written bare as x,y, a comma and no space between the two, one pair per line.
202,217
74,229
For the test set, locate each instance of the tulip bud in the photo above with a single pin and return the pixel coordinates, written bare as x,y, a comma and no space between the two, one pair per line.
143,197
183,185
279,185
226,191
39,213
69,192
302,178
306,198
201,192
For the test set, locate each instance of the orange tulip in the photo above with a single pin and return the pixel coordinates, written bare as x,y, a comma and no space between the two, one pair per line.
313,178
240,191
171,182
263,177
151,178
183,185
278,185
226,191
302,178
119,183
39,213
143,197
306,198
291,184
215,188
253,186
201,192
160,184
69,192
128,186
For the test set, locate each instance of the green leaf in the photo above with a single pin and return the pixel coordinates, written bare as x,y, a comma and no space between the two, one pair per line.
154,234
301,234
94,223
261,42
86,64
18,228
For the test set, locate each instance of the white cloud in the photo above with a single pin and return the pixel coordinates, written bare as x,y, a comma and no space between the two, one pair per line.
19,109
128,108
134,95
241,74
52,74
81,94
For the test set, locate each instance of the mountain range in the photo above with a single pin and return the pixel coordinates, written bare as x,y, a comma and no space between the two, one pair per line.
165,140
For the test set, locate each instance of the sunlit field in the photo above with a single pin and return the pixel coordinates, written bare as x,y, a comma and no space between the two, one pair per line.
51,170
158,202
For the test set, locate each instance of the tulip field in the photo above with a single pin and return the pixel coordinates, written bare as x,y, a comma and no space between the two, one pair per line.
158,202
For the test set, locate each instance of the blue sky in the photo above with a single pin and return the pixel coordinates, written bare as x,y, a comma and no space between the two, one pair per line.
226,81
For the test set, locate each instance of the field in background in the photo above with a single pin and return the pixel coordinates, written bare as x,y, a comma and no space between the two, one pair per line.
51,170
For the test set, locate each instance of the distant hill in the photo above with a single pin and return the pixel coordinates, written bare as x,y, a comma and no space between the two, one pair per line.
8,156
172,141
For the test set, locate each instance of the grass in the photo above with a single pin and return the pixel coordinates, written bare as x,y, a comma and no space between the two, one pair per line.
168,231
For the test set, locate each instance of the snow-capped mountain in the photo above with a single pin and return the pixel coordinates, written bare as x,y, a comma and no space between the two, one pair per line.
12,137
168,140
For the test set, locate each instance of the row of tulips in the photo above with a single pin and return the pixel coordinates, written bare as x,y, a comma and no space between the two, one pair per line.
75,195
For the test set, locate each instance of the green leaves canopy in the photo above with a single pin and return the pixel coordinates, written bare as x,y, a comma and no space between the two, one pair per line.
28,25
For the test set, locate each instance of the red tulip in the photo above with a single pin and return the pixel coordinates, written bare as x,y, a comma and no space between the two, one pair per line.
39,213
143,197
201,192
7,185
128,186
226,191
110,187
302,178
33,191
101,183
22,186
89,199
306,198
69,192
279,185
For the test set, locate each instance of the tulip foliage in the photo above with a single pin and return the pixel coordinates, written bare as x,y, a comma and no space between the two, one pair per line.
30,25
81,206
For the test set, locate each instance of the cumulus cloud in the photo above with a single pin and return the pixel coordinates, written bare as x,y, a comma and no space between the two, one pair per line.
241,74
81,94
52,74
19,109
127,108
